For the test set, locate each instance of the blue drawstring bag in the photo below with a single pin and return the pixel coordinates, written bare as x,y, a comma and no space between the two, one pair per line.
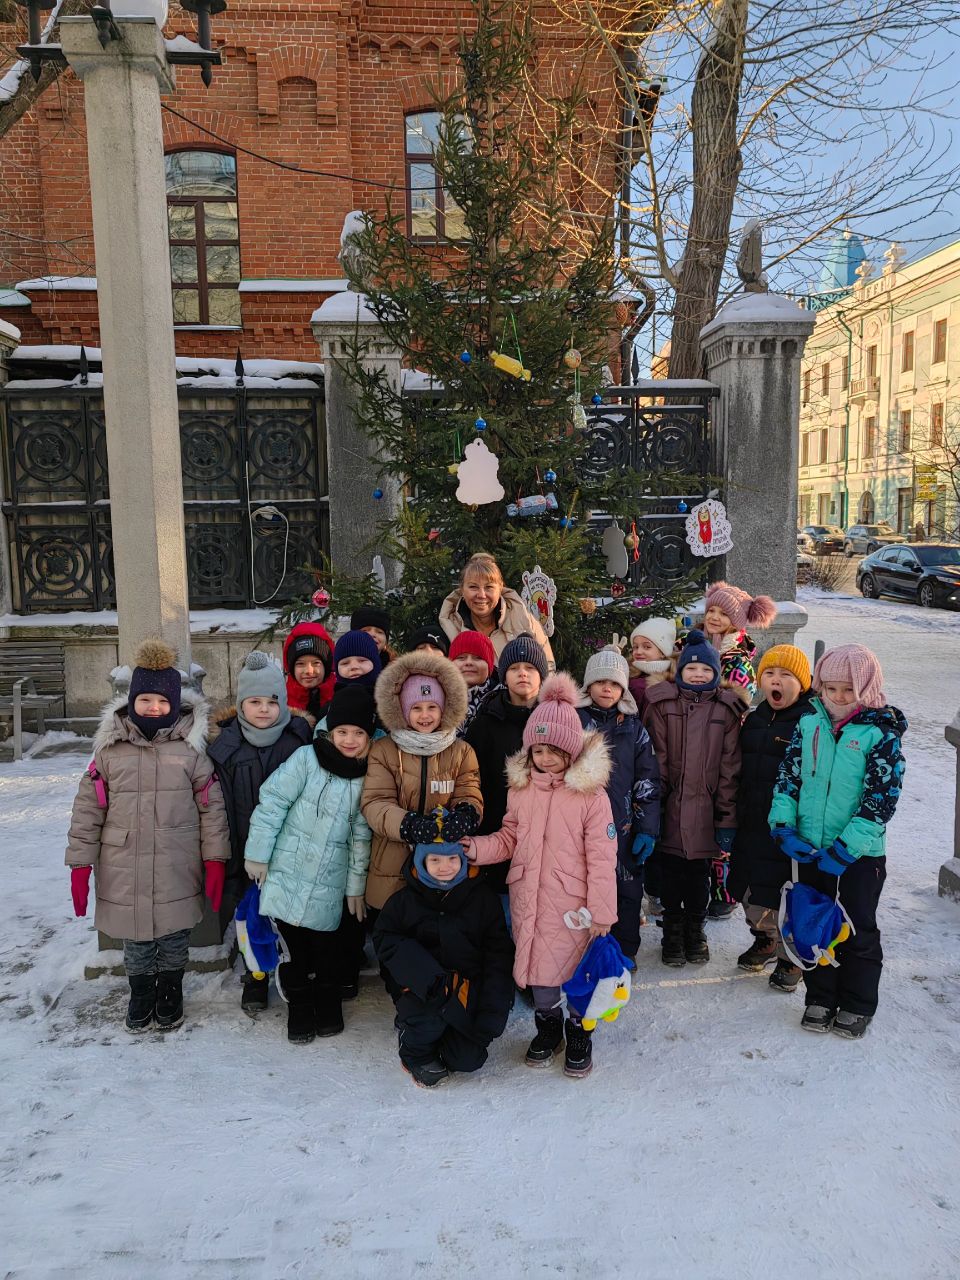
256,936
600,985
812,925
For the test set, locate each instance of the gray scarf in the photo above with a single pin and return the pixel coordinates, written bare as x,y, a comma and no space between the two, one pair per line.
263,737
423,744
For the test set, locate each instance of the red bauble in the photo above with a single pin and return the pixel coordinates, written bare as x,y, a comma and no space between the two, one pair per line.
321,597
617,590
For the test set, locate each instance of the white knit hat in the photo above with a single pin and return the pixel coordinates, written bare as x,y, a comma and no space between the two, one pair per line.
659,631
607,664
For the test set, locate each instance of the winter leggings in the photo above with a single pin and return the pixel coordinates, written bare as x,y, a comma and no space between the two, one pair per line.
763,923
547,1000
314,953
853,986
685,887
629,910
160,955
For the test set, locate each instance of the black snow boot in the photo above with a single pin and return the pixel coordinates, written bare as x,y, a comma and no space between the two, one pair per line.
426,1075
851,1026
721,910
143,1002
759,955
671,945
578,1060
254,997
786,976
328,1010
548,1039
350,990
695,941
169,999
298,996
817,1018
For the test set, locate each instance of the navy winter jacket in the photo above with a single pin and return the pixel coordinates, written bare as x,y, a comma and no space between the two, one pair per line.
634,786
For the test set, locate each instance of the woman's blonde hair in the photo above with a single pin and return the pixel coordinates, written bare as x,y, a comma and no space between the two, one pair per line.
484,566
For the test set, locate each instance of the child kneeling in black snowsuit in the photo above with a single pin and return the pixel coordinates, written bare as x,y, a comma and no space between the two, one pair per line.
444,942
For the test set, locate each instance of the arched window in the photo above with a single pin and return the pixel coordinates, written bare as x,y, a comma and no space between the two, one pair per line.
431,214
204,237
866,508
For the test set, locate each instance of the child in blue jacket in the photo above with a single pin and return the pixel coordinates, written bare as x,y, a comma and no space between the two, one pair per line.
309,849
634,786
836,791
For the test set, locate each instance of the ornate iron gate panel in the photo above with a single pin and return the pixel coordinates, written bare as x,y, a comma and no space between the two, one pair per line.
241,452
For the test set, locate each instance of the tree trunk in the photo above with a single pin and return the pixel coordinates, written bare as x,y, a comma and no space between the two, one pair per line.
716,170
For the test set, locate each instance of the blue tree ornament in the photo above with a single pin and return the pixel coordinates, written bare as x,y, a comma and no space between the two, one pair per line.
465,357
378,494
596,398
480,424
550,476
682,506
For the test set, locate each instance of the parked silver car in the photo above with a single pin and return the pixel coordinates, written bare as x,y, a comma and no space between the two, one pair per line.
861,539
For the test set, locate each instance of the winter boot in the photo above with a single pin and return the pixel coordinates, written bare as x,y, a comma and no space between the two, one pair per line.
143,1002
671,945
817,1018
695,947
426,1075
721,910
349,990
548,1039
169,999
851,1026
757,957
298,996
328,1010
578,1059
254,997
786,977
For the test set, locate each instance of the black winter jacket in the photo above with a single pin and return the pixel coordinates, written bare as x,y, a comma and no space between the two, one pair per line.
634,786
449,949
495,733
756,863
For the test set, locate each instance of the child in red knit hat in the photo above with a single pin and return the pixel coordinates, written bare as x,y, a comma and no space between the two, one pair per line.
472,653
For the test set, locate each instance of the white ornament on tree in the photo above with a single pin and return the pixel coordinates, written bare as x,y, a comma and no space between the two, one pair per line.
539,594
708,529
477,474
615,551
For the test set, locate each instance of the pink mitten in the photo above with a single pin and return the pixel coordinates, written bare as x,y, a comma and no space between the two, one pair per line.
80,889
214,874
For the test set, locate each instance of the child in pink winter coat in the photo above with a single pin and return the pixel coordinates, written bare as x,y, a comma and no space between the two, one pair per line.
559,833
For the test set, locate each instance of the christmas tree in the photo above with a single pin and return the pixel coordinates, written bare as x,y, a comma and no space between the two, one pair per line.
510,319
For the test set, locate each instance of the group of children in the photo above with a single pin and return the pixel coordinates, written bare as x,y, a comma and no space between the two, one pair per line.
482,820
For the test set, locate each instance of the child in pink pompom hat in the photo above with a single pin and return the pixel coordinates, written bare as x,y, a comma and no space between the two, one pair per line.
729,611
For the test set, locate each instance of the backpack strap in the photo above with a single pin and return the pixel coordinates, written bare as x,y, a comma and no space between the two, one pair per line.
203,795
99,785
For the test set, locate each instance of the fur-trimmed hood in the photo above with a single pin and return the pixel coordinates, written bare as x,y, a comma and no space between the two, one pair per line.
441,669
588,774
223,715
193,725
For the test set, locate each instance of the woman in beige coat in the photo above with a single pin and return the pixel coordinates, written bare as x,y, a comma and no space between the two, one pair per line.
482,602
150,822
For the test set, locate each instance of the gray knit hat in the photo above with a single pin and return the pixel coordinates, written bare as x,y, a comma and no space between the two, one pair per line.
522,648
607,664
261,677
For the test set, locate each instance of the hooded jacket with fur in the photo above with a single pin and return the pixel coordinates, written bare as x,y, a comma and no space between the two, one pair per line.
559,833
164,818
399,782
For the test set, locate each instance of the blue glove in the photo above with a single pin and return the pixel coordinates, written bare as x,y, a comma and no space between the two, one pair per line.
835,860
642,847
793,845
725,837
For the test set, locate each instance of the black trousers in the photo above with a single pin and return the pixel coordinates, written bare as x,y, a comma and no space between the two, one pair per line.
854,985
317,953
425,1035
685,886
626,931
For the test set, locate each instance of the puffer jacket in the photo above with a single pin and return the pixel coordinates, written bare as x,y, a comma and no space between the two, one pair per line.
399,782
514,620
496,734
696,738
312,701
309,831
424,934
560,835
163,819
634,785
842,783
756,863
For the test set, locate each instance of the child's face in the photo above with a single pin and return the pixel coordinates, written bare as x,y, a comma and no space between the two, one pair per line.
260,712
717,622
378,634
425,717
550,759
605,693
482,596
441,866
350,740
697,673
644,650
309,672
839,692
151,705
523,683
351,668
473,669
780,687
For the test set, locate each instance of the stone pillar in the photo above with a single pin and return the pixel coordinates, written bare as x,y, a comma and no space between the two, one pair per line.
753,350
340,324
9,341
122,86
949,886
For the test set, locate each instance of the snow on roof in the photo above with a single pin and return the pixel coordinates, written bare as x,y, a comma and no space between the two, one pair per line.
417,380
758,308
344,307
201,620
9,330
183,44
54,352
77,283
192,370
12,298
332,285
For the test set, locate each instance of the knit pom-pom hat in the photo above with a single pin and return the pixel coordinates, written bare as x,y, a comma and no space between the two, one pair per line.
607,663
852,664
554,721
742,609
477,644
697,648
155,672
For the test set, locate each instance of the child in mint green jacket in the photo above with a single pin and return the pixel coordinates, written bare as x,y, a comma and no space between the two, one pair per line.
836,791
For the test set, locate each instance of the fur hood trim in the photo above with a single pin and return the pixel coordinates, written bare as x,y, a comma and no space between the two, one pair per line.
588,774
392,679
192,727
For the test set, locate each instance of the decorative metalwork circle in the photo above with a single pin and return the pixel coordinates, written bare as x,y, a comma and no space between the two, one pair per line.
280,448
214,560
674,444
664,554
56,565
209,451
49,449
606,445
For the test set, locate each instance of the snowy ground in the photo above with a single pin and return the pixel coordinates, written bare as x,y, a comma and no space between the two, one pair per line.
714,1140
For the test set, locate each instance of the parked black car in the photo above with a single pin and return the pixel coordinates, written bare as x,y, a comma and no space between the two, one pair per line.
867,537
820,539
927,572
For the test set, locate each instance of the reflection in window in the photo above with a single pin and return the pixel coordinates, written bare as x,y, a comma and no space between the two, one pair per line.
204,237
431,213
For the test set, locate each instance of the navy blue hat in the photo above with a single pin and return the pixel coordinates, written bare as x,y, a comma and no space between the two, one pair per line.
522,648
155,672
697,648
445,850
